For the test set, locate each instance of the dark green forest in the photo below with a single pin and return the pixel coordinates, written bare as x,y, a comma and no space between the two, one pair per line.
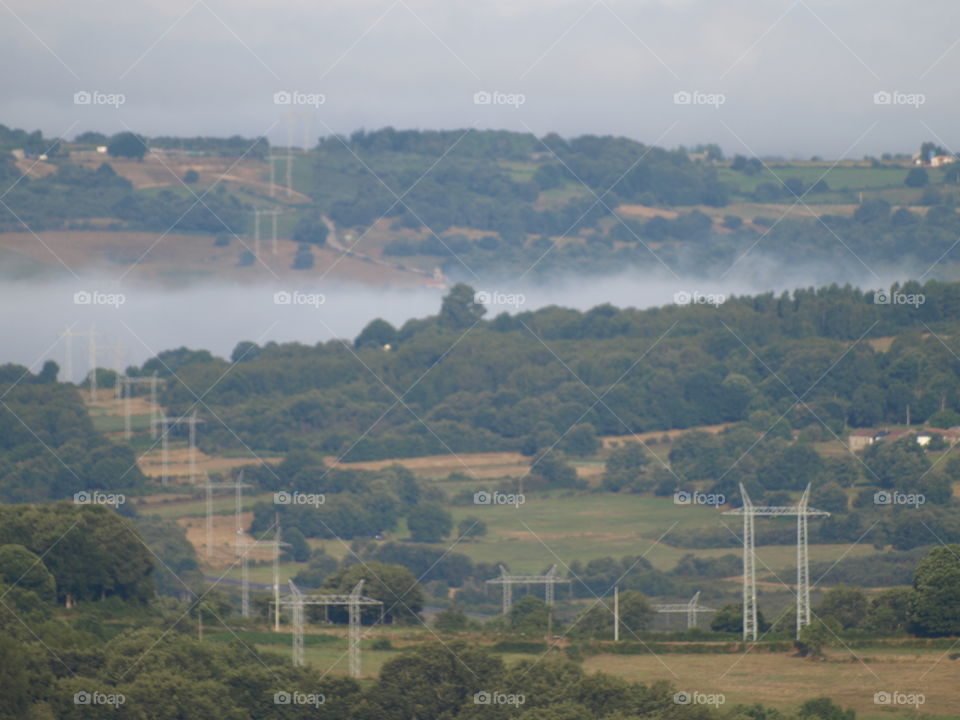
137,656
520,382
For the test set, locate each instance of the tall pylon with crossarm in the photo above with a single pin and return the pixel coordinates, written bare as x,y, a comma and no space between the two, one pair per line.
507,581
296,600
749,511
691,609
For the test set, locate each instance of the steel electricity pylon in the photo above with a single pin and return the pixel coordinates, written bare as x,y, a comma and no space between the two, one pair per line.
257,213
507,581
691,609
210,487
165,424
126,386
749,511
297,600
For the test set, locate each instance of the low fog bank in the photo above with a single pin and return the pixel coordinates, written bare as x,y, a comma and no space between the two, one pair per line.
147,319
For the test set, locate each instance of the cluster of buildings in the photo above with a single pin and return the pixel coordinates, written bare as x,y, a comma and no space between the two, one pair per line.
934,160
862,439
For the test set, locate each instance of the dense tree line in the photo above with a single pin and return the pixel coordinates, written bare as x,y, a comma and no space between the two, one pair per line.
73,194
521,382
49,448
473,184
89,552
348,503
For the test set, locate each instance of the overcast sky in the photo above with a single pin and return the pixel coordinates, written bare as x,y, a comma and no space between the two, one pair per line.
791,78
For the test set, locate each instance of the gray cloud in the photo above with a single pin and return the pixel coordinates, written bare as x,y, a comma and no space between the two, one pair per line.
798,77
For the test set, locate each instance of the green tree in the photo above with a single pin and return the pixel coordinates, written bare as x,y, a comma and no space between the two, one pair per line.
551,469
429,523
394,585
815,637
824,709
844,471
20,567
625,466
830,497
528,616
581,441
846,605
451,619
898,465
299,550
889,610
636,615
321,566
303,260
127,145
459,310
432,681
245,351
310,230
936,604
471,527
729,619
378,333
48,374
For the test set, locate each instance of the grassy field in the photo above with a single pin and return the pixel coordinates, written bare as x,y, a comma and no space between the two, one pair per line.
841,177
781,680
785,681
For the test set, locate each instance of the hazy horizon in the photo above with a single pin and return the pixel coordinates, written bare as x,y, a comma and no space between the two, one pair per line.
797,78
151,318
